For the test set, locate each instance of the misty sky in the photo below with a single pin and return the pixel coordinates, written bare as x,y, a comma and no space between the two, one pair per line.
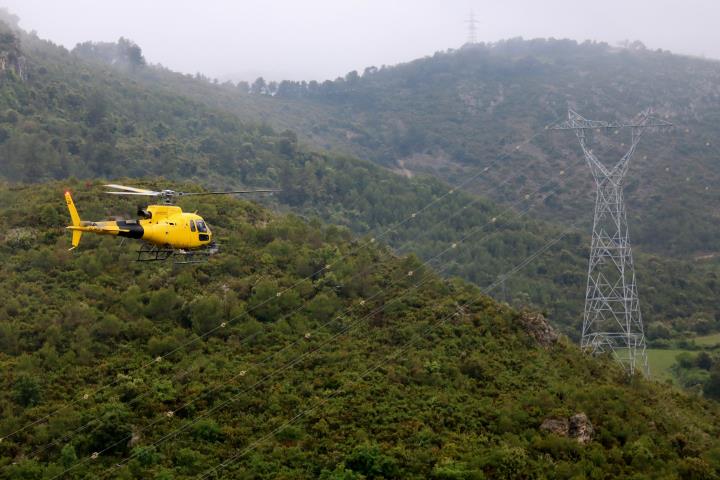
319,39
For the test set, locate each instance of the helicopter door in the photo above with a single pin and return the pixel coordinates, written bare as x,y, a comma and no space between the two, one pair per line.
192,236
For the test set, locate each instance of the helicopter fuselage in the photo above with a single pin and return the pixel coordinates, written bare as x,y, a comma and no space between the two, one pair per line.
165,226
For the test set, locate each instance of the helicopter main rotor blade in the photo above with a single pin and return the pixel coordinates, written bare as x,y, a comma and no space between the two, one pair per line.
144,194
131,189
268,190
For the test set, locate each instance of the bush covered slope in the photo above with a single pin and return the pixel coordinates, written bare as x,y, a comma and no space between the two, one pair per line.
372,368
74,118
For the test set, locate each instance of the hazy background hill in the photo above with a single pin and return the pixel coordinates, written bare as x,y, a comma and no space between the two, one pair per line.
459,111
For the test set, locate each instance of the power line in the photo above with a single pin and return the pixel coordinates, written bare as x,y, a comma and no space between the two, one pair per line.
474,199
326,267
458,311
293,362
451,191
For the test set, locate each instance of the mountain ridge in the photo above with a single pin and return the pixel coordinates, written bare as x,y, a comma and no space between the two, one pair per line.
459,109
430,378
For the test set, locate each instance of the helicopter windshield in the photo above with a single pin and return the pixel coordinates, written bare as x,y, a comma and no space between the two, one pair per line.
201,226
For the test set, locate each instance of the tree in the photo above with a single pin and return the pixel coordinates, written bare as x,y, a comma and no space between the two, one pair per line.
704,361
207,430
190,461
371,462
27,391
269,301
323,306
96,108
131,53
243,86
110,428
162,304
108,328
8,338
712,386
340,473
352,77
369,71
146,456
68,456
258,87
206,314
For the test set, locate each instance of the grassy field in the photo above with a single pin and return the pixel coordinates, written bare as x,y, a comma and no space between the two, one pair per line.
660,362
708,340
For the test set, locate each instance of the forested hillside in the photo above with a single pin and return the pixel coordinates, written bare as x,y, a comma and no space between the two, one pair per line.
330,337
299,351
67,117
459,111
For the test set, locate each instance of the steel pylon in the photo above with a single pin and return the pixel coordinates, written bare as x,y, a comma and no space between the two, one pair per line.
612,320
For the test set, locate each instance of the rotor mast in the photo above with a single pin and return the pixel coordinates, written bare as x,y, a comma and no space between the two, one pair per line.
612,320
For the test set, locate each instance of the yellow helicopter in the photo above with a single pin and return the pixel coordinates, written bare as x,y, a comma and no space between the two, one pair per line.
166,231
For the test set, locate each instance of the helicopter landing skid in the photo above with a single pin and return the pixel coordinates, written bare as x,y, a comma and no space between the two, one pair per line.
154,253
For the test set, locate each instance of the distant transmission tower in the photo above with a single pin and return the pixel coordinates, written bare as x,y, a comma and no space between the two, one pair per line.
612,321
472,28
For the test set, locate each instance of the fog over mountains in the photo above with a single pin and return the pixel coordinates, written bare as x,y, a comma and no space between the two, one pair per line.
324,39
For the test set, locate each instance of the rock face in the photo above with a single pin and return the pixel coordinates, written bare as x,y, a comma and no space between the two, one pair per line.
558,426
134,439
578,427
11,58
538,328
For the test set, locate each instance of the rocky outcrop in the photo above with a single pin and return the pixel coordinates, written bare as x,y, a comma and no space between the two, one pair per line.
134,438
538,328
11,58
12,63
558,426
578,427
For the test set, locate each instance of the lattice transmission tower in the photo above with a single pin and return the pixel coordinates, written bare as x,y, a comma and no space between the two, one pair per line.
612,321
472,28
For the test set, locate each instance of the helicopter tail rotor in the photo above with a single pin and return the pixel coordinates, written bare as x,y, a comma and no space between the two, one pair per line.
75,217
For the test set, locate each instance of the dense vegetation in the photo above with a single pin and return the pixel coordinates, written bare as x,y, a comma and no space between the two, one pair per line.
692,363
303,350
456,112
372,372
701,370
76,118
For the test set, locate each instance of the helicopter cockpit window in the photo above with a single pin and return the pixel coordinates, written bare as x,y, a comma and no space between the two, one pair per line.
192,225
201,226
